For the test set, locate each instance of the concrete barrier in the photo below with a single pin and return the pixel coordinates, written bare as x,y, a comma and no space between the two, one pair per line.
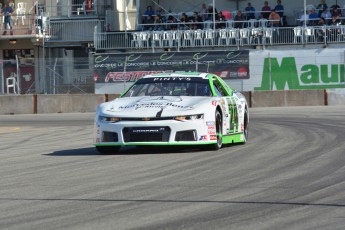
288,98
68,103
79,103
16,104
335,96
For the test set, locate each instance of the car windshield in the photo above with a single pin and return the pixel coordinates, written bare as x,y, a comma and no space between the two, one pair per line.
170,86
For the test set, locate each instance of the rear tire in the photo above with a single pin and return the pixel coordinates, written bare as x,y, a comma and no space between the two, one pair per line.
108,149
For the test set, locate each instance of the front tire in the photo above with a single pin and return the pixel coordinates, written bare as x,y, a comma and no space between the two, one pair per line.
108,149
219,132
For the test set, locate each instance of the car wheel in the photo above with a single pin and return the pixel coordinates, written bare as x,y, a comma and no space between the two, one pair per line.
246,122
219,132
108,149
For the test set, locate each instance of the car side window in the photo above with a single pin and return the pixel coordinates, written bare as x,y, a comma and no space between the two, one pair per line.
219,91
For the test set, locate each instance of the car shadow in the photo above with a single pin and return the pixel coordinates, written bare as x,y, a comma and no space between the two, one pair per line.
128,151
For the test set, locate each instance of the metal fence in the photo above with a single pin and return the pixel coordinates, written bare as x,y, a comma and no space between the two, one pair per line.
227,37
46,76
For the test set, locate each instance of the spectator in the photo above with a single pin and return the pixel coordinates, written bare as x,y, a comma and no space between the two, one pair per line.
334,31
265,10
173,23
274,18
335,21
220,20
313,17
249,11
158,21
149,21
198,20
7,13
203,12
279,8
335,11
321,31
326,15
149,11
184,22
239,20
210,12
160,11
322,6
304,19
321,22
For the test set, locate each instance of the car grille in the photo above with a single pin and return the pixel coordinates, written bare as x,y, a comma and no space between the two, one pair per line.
146,134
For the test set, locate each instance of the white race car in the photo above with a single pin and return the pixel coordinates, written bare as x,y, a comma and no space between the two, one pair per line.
181,108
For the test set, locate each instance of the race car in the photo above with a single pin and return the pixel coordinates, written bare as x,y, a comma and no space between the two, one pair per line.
167,109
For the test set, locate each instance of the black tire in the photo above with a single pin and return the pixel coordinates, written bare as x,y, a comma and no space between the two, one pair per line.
108,149
219,134
246,123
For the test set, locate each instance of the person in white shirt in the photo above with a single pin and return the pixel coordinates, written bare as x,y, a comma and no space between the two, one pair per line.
304,19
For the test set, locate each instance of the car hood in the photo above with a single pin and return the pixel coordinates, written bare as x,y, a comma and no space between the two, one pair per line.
150,106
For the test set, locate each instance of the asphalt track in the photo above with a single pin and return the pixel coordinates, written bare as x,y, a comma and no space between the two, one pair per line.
290,175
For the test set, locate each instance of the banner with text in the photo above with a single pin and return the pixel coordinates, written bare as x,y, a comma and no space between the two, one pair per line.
112,68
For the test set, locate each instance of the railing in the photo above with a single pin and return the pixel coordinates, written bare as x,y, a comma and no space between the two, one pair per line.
229,37
73,30
23,24
72,9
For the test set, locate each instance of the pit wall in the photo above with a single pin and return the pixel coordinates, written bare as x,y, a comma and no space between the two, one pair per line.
80,103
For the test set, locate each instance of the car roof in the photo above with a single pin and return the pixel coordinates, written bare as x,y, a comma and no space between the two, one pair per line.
179,74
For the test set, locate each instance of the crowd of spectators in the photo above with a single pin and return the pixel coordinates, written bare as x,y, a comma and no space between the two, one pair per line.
207,13
322,15
160,19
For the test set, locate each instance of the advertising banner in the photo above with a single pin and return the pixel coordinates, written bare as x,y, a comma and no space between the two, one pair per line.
296,70
115,68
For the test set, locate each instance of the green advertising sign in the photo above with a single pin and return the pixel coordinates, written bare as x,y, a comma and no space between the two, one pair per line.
286,75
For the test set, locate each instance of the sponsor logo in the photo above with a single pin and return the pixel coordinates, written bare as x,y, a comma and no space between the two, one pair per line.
151,105
213,137
285,75
148,130
129,76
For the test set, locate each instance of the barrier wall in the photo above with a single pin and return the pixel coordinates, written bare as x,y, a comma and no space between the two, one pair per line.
80,103
336,96
68,103
19,104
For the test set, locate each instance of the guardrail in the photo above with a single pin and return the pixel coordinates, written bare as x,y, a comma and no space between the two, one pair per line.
229,37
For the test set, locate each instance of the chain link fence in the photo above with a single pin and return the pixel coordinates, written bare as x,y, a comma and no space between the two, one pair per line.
46,76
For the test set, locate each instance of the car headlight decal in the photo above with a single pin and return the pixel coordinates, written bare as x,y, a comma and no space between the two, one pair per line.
189,117
109,119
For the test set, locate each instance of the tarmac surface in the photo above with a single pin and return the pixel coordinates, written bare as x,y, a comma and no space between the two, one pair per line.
290,175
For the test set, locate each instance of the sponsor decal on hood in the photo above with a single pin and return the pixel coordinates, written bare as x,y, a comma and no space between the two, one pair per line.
154,104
